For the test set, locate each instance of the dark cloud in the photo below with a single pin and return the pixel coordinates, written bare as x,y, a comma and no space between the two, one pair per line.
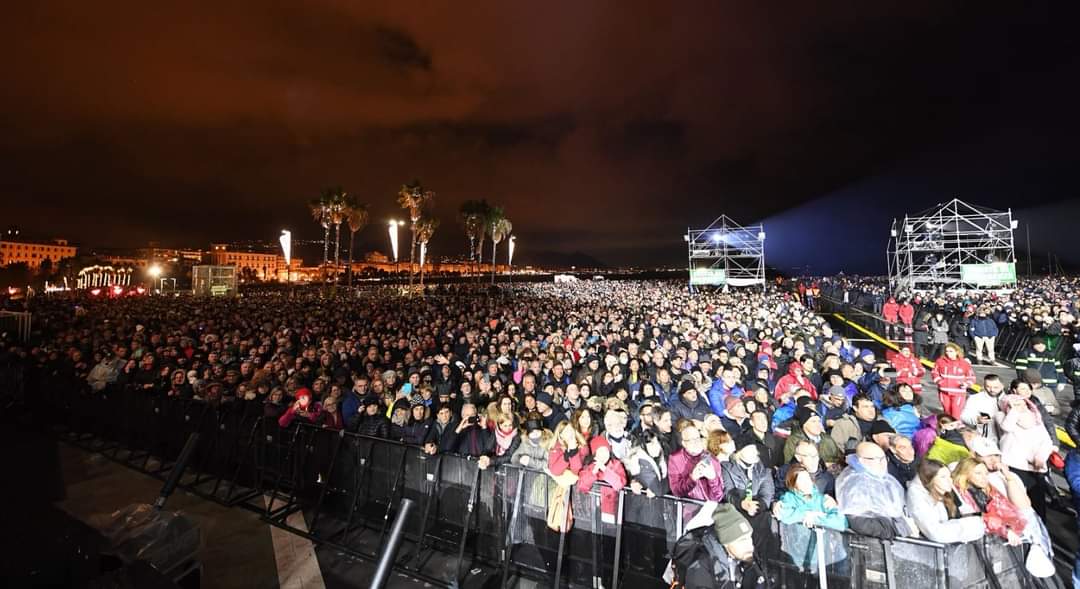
602,127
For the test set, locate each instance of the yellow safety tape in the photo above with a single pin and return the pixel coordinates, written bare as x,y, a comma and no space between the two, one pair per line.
1063,437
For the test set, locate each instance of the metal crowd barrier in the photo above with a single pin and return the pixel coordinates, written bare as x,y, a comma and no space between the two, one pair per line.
469,521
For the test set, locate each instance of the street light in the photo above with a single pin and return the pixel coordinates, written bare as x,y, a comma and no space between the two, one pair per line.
155,272
510,258
393,228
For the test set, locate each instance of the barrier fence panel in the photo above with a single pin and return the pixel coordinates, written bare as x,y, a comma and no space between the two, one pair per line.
348,487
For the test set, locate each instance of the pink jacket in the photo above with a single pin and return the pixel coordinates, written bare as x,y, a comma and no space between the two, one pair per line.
1023,440
680,465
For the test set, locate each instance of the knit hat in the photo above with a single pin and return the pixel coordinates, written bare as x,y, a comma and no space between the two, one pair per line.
686,385
415,399
803,414
545,398
880,426
371,400
729,524
837,391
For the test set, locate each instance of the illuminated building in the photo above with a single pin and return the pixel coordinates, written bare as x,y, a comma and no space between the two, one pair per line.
258,265
33,252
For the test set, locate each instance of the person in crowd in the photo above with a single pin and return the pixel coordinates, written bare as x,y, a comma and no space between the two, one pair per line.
1044,394
748,484
806,455
647,466
735,419
835,403
614,431
583,422
507,437
444,420
330,417
854,427
809,427
1072,476
871,499
688,404
939,334
795,379
532,451
730,564
1002,518
983,331
935,506
982,407
953,376
725,386
603,467
567,456
720,445
908,367
545,405
1039,357
900,408
890,312
374,423
1025,446
804,507
421,428
693,472
770,447
302,408
901,456
275,406
951,443
471,437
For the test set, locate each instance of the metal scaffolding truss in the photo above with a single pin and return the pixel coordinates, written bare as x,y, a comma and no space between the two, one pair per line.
952,246
726,253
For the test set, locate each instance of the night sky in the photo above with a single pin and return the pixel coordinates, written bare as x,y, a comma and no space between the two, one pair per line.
602,127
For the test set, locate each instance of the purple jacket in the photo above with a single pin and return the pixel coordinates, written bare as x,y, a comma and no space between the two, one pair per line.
680,464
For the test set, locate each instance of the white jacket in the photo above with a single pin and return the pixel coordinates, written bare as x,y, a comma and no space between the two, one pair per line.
933,518
977,404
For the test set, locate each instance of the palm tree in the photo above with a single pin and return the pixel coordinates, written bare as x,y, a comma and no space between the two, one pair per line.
491,215
357,217
320,211
425,228
471,216
500,230
415,199
337,202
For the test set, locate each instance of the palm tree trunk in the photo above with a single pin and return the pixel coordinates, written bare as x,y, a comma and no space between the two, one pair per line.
479,259
494,248
325,249
472,254
412,253
337,246
352,237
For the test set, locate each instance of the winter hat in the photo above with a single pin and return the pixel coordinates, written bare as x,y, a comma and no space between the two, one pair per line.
545,398
1038,340
880,426
731,402
686,385
371,400
415,399
729,524
803,414
837,391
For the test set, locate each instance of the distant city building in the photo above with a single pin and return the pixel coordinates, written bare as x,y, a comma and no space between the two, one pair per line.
14,251
259,265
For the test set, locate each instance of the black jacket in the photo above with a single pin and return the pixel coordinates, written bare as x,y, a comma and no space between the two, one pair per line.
375,426
473,441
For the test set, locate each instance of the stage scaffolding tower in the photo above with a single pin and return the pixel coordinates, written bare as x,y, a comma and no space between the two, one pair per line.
952,246
726,254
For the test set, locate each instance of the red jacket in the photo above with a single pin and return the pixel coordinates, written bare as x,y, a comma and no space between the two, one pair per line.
890,311
613,474
909,370
953,376
907,314
791,381
1001,515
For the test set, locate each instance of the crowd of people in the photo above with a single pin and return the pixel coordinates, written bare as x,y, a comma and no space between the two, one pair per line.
744,399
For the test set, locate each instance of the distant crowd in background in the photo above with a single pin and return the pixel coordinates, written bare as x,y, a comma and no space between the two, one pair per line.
742,398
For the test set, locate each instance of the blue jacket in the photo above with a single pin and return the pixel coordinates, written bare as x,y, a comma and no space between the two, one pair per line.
350,409
717,396
982,327
800,542
902,419
1072,474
